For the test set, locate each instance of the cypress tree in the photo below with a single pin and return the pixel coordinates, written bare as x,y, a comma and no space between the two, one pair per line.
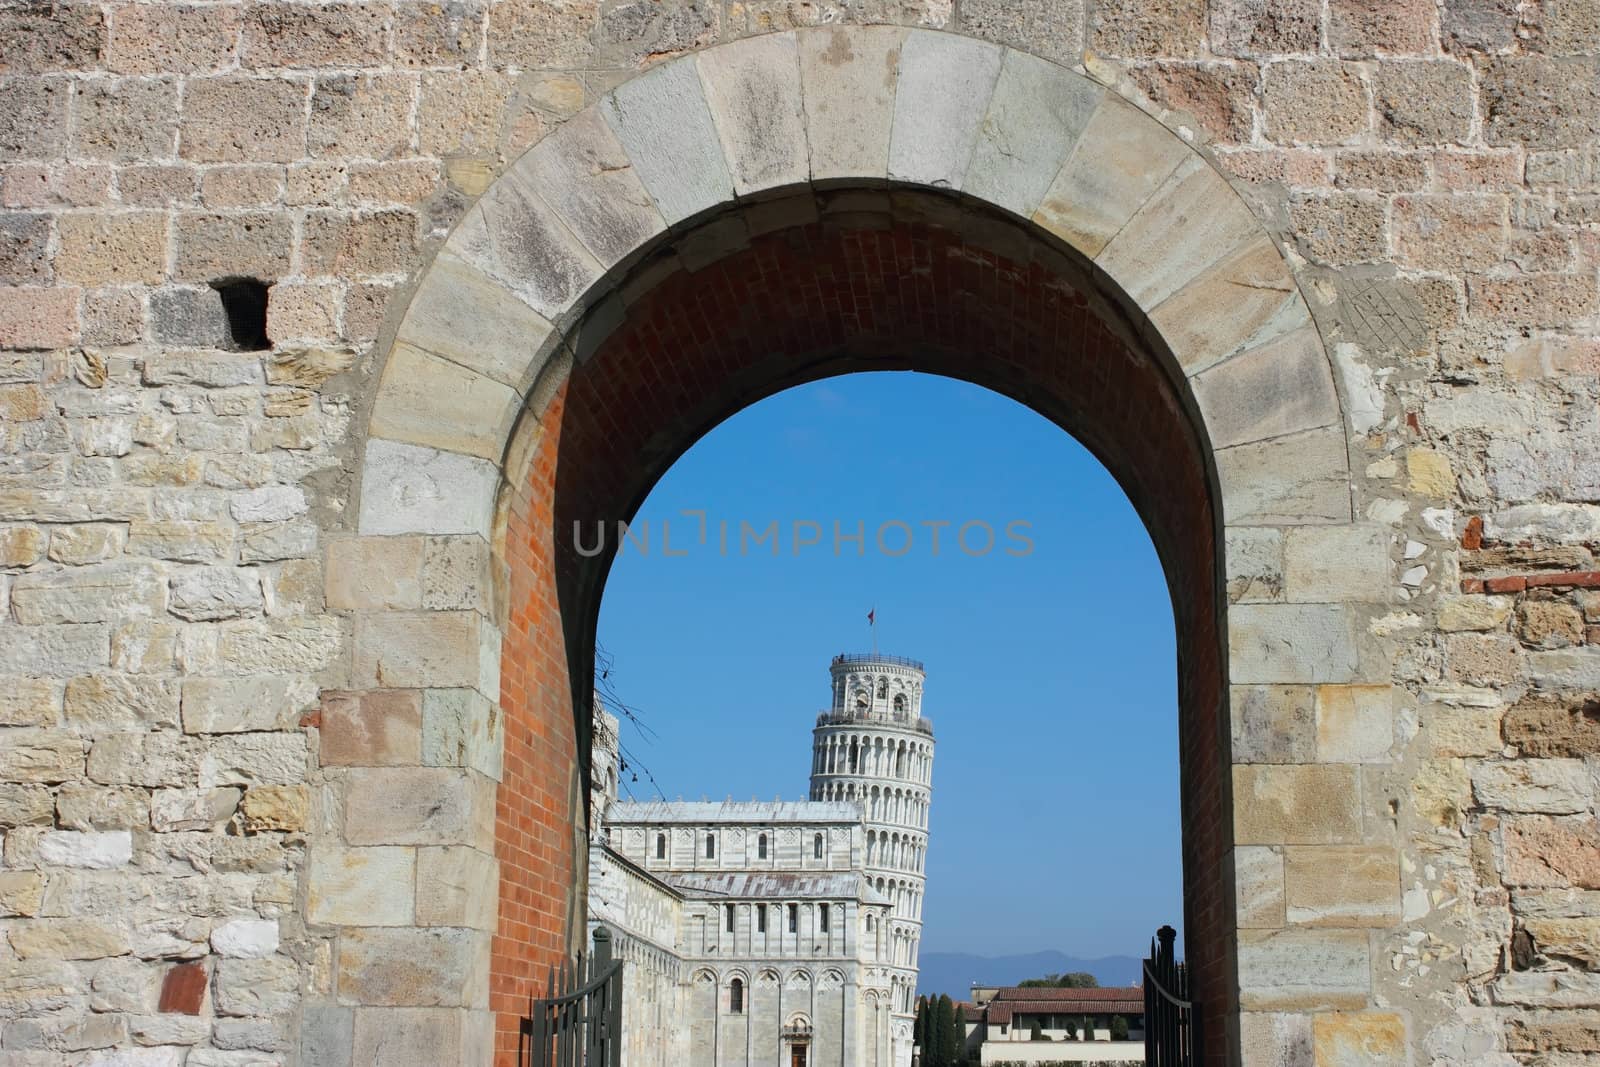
919,1029
958,1037
943,1027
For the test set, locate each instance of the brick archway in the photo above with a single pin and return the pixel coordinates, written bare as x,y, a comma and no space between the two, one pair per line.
804,204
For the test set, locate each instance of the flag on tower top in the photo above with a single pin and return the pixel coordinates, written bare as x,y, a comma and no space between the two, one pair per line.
872,617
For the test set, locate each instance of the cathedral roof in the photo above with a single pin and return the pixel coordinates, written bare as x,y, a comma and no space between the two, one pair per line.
774,884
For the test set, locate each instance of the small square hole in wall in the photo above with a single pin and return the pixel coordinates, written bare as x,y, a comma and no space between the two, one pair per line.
244,302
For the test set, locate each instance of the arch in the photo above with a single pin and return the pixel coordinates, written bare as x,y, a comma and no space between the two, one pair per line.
1040,183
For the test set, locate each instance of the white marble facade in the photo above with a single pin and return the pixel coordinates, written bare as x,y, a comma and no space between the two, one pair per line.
776,934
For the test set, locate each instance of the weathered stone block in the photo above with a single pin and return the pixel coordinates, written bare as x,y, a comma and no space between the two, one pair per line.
1313,102
29,701
233,119
1296,804
945,84
1265,27
36,318
107,703
279,646
1258,886
21,893
86,543
210,594
372,729
174,810
34,987
275,807
419,806
1282,387
97,850
256,986
33,117
1355,723
90,807
1291,643
424,968
362,886
1127,28
1539,102
333,35
664,121
41,756
25,805
1364,28
1303,970
245,938
1359,1039
143,759
442,648
411,489
457,886
1341,229
1550,727
456,575
1036,115
425,400
1481,613
1547,989
254,244
1342,885
358,244
111,591
464,316
67,939
849,79
375,574
1119,162
1245,301
25,249
189,317
176,38
1552,786
1273,724
1424,102
254,759
462,728
753,90
366,117
1549,624
125,119
1190,223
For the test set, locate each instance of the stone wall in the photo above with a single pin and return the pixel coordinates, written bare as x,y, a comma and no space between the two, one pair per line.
249,765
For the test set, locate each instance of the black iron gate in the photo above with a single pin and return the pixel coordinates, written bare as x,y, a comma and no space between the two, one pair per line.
1171,1024
580,1023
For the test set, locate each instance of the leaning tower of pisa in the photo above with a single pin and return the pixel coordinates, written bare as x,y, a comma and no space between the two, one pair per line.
872,745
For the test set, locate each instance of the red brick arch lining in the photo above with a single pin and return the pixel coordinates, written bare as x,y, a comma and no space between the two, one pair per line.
846,293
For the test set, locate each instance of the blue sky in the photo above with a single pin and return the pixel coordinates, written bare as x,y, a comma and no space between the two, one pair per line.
1051,675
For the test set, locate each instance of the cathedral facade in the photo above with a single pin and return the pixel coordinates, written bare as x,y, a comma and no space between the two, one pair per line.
777,934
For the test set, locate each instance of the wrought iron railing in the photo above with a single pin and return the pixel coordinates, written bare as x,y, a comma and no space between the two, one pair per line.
874,657
580,1023
902,719
1171,1023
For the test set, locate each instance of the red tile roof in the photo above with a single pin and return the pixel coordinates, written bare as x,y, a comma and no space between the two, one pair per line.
1016,1000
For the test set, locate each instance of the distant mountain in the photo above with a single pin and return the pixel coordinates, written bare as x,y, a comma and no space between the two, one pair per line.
955,972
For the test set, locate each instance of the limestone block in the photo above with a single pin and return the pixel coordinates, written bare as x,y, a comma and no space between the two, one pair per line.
1283,387
210,594
1546,727
29,701
1275,1039
372,729
1549,624
1332,563
143,759
325,1037
1561,523
456,575
41,756
21,546
663,120
1440,792
1123,157
102,593
419,806
97,850
942,95
1190,223
1258,885
66,939
1302,478
1255,564
1273,723
107,703
254,759
1360,1039
90,807
282,645
173,810
1461,613
465,316
1296,804
434,967
182,540
426,400
29,987
457,886
25,805
462,728
1565,668
515,237
1036,115
1246,300
172,1029
411,489
362,886
439,648
1303,970
753,89
848,79
1290,643
1342,885
1551,786
375,573
245,938
275,807
1547,989
256,986
1355,723
406,1037
21,893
